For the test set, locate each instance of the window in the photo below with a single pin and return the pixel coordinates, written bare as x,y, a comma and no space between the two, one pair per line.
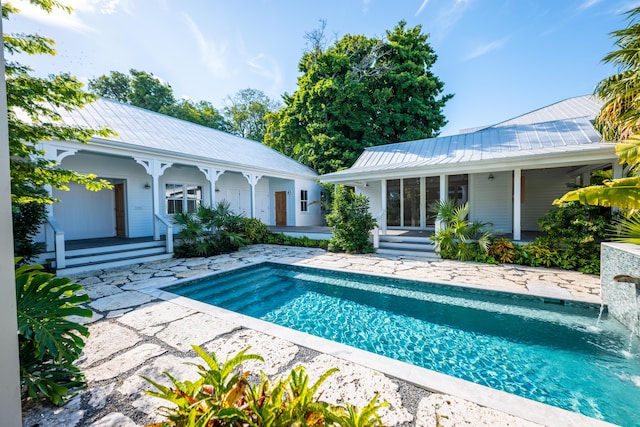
304,199
179,196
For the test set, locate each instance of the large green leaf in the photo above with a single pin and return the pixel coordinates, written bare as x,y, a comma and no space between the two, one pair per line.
629,151
621,193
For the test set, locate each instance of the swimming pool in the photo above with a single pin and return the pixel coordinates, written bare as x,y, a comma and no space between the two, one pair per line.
555,354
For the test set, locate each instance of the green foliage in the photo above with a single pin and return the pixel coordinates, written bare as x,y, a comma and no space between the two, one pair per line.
254,230
304,241
350,222
27,219
357,93
458,238
223,397
503,250
246,111
209,231
33,105
145,90
627,229
49,342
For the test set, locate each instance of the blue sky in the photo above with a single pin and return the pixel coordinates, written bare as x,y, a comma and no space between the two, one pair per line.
500,58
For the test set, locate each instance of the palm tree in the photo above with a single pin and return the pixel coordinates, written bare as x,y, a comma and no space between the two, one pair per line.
619,120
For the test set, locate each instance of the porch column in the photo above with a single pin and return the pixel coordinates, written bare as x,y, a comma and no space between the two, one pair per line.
616,170
10,367
212,176
253,180
517,197
53,154
444,194
155,168
383,202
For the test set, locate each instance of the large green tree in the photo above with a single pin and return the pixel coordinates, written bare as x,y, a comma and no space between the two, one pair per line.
33,104
357,93
147,91
246,111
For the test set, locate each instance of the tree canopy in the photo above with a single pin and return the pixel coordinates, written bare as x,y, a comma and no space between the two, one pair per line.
246,111
144,90
32,117
357,93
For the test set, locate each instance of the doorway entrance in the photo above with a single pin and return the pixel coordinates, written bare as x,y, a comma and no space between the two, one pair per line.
281,208
119,208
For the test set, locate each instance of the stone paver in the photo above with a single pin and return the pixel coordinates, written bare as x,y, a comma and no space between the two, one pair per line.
134,334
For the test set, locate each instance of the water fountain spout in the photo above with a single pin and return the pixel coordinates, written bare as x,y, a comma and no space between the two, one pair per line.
625,278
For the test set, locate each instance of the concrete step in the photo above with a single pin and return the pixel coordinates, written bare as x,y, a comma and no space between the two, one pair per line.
98,256
115,248
407,239
421,247
110,264
405,253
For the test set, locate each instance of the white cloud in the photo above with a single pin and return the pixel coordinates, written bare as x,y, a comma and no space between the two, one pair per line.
588,3
266,67
422,6
486,48
448,17
213,55
72,20
365,5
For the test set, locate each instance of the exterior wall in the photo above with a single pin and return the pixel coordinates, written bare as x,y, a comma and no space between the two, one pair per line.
541,188
490,201
278,184
235,189
313,215
71,212
372,191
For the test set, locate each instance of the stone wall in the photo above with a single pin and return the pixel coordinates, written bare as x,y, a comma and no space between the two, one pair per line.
622,298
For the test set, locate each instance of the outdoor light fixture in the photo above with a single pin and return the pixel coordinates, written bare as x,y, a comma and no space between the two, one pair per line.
147,185
490,177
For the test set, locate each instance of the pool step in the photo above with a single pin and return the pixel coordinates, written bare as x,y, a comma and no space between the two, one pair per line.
219,284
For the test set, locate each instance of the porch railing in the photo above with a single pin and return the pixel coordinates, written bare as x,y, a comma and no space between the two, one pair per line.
169,236
58,234
376,229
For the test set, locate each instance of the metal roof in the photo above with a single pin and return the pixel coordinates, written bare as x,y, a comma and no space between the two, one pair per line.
179,138
559,128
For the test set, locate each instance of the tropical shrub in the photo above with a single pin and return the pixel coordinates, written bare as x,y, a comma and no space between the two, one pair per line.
27,220
458,238
254,230
223,396
350,222
209,231
49,342
304,241
503,250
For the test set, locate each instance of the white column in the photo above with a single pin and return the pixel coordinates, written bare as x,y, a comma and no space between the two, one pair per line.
383,202
212,176
444,193
423,202
9,368
155,168
517,211
617,170
253,180
52,154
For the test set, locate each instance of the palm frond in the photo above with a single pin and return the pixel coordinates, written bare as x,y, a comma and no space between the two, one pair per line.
622,193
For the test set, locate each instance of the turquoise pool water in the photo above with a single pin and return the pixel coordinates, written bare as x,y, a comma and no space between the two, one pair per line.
556,354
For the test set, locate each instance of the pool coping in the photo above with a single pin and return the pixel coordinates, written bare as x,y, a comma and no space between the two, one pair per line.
430,380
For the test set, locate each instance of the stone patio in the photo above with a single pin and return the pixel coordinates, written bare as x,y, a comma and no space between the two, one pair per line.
134,334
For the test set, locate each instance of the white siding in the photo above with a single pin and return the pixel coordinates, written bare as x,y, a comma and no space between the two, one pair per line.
372,191
313,215
541,188
138,199
85,214
235,189
277,184
490,201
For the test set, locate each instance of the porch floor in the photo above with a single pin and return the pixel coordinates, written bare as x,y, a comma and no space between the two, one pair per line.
105,241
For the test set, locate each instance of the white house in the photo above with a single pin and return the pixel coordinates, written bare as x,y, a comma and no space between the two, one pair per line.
158,166
510,172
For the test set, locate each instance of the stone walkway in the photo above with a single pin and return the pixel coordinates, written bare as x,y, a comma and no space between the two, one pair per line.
135,334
